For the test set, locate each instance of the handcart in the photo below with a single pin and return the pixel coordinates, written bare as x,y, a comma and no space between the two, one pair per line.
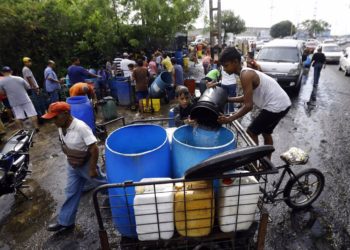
217,205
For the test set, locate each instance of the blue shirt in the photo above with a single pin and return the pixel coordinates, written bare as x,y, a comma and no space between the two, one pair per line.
77,74
179,74
50,85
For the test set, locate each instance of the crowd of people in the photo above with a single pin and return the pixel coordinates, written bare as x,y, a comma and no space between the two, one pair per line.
79,142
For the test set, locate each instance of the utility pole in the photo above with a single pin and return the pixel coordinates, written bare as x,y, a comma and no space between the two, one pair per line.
211,21
219,23
215,30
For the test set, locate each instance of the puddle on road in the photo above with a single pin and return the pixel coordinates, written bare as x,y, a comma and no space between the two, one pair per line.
312,228
26,216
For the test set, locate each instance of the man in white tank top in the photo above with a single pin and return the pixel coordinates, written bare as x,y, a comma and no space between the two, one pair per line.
259,89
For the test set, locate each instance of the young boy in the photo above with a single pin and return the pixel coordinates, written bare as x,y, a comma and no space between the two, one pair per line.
183,109
211,79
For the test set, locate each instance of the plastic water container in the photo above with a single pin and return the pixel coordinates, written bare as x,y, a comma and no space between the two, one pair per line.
194,208
159,85
109,108
132,153
121,90
123,93
209,106
238,199
171,115
192,145
81,108
178,56
154,210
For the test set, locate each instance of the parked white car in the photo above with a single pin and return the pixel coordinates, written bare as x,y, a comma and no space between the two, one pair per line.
332,51
344,62
282,60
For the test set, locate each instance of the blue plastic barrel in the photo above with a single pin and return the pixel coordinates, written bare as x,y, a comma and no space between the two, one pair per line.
132,153
179,57
159,85
171,115
81,108
192,145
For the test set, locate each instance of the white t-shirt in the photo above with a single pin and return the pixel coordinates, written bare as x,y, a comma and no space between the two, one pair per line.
27,73
228,79
124,66
269,95
79,136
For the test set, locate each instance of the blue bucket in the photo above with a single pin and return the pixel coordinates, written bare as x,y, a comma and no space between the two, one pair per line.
192,145
130,156
159,85
81,108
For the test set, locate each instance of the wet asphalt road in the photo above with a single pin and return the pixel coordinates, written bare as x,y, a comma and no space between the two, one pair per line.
320,127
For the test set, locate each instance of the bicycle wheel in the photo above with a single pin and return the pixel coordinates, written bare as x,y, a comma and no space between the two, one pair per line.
304,189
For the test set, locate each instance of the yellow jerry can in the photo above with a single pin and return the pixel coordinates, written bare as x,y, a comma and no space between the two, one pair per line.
194,208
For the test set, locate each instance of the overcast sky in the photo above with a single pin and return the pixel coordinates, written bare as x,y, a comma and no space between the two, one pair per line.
258,13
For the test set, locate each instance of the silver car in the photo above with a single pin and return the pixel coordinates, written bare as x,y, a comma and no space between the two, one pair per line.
332,52
281,59
344,62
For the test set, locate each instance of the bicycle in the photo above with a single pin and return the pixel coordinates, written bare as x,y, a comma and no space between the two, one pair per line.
302,189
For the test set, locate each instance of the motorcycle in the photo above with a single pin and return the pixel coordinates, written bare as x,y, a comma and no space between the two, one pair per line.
14,162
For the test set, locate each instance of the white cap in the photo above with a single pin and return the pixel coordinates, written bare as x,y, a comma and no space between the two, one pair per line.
125,54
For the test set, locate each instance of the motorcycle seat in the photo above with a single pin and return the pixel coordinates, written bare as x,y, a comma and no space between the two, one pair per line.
15,143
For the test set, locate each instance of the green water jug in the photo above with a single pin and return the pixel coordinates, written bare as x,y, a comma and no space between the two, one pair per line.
109,108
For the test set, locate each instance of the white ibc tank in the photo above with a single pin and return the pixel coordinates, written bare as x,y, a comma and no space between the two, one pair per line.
147,202
237,203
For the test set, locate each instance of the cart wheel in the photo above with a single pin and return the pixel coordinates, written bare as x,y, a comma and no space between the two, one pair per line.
301,191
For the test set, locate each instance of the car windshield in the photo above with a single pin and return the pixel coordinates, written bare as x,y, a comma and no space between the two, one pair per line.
278,54
331,49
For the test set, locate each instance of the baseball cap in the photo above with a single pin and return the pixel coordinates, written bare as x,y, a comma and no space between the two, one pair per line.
55,109
125,54
6,69
26,59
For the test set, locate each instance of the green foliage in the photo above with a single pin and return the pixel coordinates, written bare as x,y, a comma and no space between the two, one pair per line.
158,20
231,23
314,27
90,29
282,29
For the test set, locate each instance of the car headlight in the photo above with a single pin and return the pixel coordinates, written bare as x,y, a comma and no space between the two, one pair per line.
2,174
294,72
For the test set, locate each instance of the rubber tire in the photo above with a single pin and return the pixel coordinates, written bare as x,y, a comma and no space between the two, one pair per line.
346,73
339,68
292,181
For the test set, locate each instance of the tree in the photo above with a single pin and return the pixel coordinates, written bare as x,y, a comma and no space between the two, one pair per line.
159,20
90,29
231,23
314,27
282,29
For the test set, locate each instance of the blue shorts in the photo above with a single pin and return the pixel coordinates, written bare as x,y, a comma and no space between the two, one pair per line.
141,95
